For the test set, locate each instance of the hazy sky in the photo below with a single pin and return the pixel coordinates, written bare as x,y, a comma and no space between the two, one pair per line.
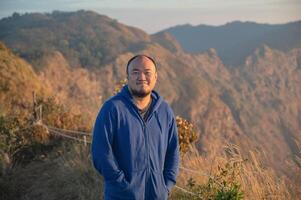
155,15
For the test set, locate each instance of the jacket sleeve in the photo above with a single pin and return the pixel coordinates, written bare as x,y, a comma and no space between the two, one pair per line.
102,154
171,165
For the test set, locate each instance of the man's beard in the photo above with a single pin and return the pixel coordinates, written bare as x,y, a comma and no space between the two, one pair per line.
140,94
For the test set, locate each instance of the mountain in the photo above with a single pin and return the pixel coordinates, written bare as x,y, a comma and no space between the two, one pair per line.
85,38
236,40
167,41
264,99
255,106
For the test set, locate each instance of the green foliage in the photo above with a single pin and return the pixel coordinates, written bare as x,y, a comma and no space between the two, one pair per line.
223,185
232,193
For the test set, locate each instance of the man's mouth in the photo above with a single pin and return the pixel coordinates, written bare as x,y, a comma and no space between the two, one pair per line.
141,83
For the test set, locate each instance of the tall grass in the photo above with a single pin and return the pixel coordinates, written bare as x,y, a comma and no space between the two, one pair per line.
70,175
255,180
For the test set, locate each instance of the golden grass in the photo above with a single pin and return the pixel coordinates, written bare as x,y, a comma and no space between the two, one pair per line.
69,174
257,181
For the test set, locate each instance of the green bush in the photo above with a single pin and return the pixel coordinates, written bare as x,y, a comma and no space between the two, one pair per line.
223,185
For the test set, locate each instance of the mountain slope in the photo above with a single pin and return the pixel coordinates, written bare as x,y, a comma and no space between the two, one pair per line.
85,38
18,81
265,98
237,40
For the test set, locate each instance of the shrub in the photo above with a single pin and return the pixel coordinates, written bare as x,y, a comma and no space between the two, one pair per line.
187,134
223,185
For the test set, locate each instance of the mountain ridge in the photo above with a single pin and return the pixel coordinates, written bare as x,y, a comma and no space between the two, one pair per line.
237,39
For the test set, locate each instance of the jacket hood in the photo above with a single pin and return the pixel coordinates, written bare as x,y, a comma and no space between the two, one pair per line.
125,93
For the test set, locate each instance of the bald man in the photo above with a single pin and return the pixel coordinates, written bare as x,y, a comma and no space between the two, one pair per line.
135,141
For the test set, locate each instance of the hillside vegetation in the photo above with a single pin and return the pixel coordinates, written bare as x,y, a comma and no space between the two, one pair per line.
85,38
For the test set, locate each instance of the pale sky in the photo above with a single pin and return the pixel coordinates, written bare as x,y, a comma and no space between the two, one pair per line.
155,15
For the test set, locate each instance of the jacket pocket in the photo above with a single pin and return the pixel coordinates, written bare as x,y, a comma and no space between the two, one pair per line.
131,189
116,185
163,182
158,188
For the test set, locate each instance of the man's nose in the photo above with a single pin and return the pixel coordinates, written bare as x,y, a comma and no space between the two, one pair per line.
141,76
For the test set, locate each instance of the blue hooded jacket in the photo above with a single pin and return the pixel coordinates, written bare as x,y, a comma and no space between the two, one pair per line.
138,159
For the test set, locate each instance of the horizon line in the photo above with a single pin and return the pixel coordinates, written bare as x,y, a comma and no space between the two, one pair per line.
168,27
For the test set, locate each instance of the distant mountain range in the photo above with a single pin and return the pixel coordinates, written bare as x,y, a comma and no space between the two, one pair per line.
80,56
236,40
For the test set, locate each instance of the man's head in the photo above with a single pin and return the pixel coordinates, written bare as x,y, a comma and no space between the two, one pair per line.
142,75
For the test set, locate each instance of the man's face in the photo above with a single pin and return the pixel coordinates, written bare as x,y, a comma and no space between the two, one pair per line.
142,76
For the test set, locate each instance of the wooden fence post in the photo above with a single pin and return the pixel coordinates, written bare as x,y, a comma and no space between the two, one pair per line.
85,140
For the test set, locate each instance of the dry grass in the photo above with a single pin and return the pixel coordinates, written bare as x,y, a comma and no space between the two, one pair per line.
257,181
68,176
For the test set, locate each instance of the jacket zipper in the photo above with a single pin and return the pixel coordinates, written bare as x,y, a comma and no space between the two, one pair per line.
147,192
146,136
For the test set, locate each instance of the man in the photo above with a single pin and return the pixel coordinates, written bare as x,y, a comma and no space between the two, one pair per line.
135,141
